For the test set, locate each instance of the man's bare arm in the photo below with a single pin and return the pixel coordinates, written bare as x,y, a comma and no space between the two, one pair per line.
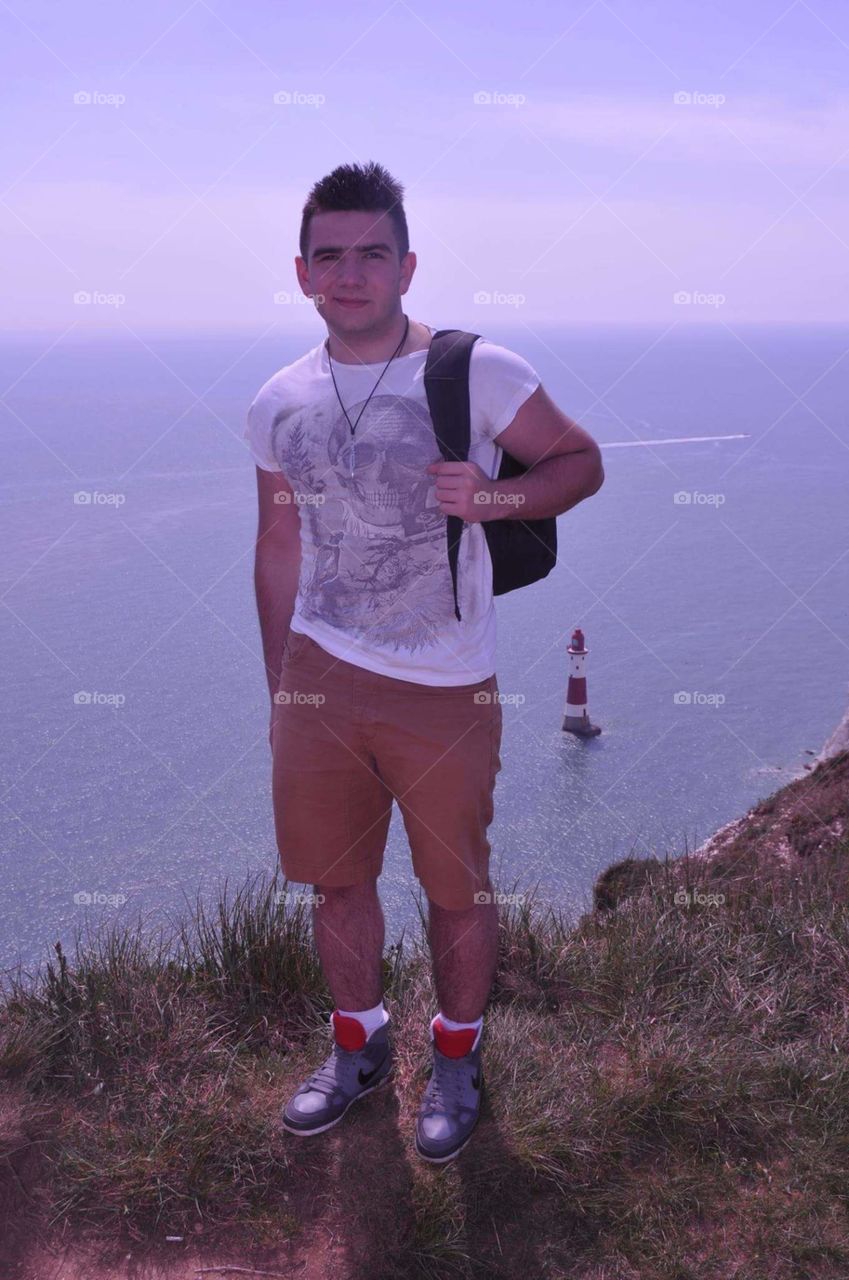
563,460
276,566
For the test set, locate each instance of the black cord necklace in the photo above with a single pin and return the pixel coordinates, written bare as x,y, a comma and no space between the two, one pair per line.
354,425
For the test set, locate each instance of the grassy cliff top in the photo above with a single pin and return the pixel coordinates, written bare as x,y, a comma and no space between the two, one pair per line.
666,1086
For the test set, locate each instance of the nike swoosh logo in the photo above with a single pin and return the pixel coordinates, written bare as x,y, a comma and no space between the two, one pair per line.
365,1077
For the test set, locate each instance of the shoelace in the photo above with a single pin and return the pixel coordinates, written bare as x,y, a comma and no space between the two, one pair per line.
340,1064
326,1077
445,1087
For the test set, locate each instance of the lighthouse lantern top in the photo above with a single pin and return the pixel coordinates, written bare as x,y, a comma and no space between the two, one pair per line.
577,645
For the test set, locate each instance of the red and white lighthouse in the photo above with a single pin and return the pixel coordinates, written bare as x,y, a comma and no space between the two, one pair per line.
575,718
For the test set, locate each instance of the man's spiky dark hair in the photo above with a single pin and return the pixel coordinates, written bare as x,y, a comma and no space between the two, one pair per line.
369,188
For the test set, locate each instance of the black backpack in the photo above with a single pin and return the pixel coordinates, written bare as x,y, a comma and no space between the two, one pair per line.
522,551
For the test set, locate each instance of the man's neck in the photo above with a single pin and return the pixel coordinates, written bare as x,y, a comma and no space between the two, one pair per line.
371,349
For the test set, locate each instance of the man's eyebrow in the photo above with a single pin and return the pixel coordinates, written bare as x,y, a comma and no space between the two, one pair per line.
364,248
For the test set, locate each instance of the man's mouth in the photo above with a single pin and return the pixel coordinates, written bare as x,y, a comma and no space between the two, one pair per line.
352,302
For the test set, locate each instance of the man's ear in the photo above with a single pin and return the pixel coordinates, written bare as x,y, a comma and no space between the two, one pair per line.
408,267
302,273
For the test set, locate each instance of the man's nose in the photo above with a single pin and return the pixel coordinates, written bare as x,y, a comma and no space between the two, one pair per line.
350,271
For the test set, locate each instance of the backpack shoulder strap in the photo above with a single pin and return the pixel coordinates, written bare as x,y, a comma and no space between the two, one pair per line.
446,380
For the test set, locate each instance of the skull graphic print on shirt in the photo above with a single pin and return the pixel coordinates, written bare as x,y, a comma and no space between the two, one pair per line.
381,565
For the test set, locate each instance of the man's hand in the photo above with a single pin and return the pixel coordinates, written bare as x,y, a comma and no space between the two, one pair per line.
463,490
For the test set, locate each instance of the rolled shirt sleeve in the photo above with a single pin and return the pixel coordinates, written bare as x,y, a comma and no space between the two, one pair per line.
257,433
500,382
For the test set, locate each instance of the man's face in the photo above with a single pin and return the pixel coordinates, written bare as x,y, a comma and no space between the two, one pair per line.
354,255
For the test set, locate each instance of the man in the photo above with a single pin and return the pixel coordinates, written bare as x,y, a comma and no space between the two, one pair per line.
378,690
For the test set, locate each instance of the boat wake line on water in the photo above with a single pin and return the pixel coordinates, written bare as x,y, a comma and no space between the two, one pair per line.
629,444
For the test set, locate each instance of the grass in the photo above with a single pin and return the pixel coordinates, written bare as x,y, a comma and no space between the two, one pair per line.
666,1095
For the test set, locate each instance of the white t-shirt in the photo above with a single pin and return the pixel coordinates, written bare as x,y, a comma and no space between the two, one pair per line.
375,583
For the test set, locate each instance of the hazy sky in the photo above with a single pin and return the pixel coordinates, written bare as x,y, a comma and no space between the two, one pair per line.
581,190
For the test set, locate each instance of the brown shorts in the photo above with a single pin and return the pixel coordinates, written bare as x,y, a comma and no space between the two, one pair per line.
346,741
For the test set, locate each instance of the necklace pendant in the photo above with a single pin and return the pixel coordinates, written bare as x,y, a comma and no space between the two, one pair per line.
353,425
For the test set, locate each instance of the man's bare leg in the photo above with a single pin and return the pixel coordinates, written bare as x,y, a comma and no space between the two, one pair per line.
464,951
349,930
348,925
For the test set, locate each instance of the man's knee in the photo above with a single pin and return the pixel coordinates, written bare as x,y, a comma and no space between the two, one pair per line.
363,888
482,896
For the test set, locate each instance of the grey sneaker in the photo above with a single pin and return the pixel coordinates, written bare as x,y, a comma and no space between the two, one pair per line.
346,1075
450,1107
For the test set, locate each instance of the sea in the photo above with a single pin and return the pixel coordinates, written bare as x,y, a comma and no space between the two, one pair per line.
709,576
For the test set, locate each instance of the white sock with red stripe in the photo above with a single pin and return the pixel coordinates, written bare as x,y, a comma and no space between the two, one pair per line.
455,1039
352,1029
